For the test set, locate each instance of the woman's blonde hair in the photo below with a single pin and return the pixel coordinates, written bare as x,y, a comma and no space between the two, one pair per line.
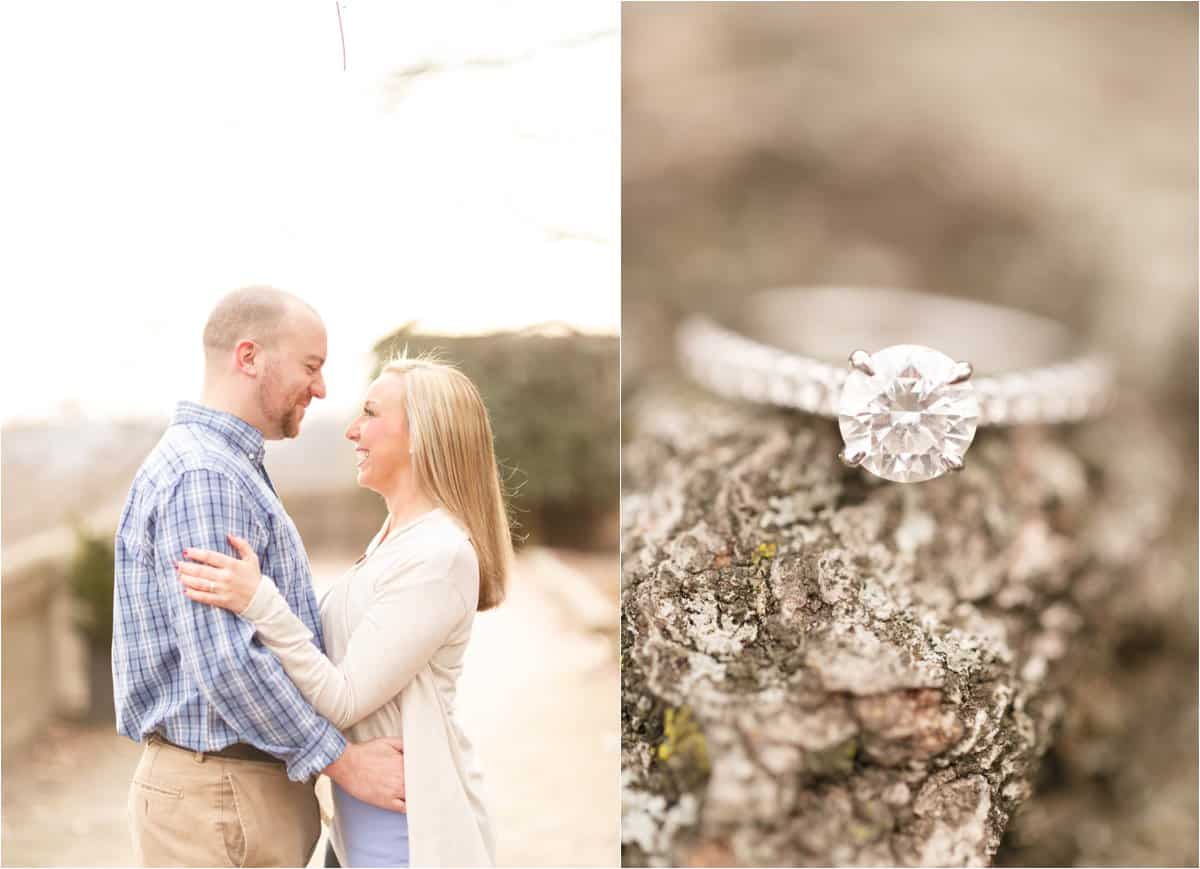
454,461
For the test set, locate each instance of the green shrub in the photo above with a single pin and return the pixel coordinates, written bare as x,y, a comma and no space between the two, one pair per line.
553,399
91,578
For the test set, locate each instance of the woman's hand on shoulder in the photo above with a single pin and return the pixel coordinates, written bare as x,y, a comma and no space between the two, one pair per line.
216,579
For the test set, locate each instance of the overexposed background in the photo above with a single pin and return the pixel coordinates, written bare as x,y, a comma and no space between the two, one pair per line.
463,172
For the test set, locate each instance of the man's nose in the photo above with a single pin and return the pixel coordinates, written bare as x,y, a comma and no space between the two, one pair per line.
318,388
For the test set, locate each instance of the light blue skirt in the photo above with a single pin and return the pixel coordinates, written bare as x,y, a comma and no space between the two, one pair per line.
371,836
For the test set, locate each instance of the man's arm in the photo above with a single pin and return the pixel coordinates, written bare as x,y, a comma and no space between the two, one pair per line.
242,680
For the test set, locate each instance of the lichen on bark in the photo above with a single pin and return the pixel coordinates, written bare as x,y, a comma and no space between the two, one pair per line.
870,671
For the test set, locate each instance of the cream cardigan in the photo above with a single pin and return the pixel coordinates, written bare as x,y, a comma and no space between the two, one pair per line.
396,626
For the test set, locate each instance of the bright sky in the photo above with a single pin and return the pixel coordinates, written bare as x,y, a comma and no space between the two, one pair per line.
157,155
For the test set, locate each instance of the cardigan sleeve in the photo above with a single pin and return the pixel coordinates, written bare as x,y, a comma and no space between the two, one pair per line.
404,625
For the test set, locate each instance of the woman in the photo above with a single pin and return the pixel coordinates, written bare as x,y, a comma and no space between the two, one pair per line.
397,624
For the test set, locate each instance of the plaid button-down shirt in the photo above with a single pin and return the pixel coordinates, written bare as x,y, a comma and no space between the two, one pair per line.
193,672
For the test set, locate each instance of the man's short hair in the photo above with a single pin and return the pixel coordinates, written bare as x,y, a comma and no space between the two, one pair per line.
260,314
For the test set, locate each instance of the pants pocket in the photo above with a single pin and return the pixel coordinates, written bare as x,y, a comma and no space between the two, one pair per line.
264,819
237,823
153,790
162,824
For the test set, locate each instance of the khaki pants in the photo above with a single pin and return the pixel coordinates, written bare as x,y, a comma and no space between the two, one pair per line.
190,809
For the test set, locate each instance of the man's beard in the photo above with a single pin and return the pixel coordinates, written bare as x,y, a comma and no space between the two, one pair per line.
284,420
290,424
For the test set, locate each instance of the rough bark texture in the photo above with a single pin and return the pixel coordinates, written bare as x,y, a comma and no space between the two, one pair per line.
819,669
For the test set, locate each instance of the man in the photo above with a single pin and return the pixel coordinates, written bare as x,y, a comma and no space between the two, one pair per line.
231,745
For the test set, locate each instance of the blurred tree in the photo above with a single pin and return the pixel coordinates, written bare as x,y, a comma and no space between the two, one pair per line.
91,581
552,393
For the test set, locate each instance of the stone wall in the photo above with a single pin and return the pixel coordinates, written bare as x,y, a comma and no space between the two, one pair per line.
44,660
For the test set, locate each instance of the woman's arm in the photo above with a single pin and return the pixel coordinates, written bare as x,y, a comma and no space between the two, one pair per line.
404,625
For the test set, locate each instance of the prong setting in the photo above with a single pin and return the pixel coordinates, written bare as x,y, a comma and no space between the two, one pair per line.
952,463
962,372
860,360
852,460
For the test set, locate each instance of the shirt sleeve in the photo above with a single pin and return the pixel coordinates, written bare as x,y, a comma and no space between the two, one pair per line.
242,680
404,625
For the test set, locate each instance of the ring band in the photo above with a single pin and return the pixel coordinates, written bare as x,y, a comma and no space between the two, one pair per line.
212,586
907,411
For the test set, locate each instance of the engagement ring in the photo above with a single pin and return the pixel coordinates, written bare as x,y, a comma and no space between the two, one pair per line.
907,410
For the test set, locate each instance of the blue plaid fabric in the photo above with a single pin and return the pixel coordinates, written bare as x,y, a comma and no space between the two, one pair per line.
193,672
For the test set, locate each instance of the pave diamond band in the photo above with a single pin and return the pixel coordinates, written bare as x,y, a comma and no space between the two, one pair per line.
946,365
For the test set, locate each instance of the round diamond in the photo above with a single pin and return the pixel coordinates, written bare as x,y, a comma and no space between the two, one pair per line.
907,419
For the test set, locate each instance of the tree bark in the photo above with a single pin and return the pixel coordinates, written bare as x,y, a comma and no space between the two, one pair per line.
820,668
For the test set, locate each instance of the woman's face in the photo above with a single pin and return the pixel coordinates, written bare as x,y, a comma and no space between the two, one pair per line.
380,435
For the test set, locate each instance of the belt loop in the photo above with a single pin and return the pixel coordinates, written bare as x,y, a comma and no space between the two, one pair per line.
198,757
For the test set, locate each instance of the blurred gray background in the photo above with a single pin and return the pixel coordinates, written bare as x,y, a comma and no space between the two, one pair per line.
1041,155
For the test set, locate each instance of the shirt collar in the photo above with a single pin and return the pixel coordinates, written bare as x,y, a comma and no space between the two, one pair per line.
240,435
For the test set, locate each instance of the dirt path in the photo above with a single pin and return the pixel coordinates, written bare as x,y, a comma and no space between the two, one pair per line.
539,698
64,805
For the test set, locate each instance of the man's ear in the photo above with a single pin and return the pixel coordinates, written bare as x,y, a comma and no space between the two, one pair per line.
248,357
